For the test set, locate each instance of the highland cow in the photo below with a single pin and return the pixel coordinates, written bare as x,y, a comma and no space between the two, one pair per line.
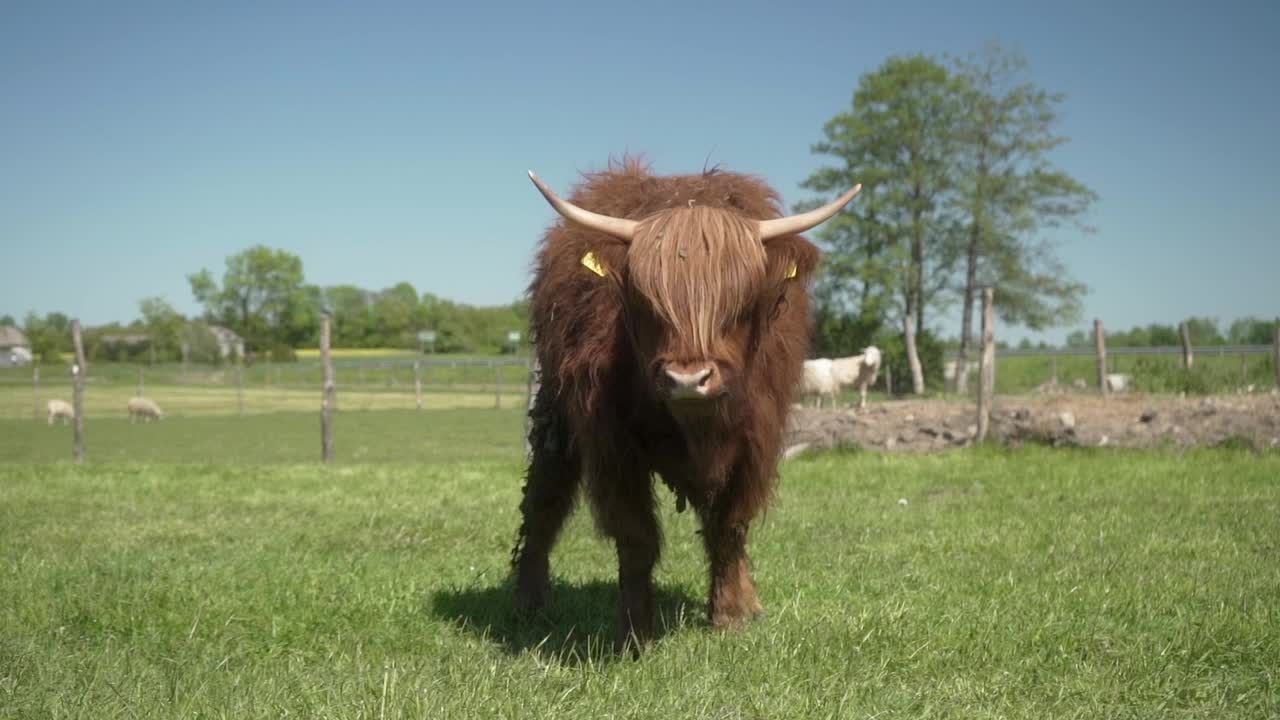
670,317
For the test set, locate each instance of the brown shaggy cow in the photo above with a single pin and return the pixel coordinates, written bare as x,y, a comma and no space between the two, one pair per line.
670,316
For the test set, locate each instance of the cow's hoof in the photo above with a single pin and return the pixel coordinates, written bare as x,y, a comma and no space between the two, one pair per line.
737,617
532,599
631,641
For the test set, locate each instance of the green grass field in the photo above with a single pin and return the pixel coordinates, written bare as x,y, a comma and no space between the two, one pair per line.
253,582
389,436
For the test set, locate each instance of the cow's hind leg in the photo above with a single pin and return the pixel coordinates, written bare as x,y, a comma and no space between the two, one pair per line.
549,492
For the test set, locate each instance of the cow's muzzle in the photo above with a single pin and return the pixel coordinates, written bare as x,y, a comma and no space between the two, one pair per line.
691,380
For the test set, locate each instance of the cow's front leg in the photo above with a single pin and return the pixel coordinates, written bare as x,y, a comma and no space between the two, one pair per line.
625,511
733,601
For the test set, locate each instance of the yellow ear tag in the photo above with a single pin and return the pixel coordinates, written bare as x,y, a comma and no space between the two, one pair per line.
589,261
790,272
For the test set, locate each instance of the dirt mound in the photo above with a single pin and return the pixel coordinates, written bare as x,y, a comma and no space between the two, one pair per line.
1060,420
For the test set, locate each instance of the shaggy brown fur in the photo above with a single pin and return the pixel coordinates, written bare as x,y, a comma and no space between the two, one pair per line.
695,284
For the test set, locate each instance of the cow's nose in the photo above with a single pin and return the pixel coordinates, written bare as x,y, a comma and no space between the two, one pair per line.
690,380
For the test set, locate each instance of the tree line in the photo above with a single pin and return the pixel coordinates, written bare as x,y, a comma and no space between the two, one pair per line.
1203,331
264,298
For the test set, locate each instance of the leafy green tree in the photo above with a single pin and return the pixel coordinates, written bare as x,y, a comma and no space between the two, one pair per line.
8,320
353,322
1162,335
1252,331
50,336
894,248
395,310
1006,192
1204,332
163,324
1079,339
262,297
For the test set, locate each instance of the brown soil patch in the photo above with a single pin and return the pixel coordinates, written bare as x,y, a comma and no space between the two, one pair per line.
1060,420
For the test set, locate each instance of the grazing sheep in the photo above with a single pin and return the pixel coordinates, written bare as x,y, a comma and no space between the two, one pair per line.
1118,382
859,371
61,409
818,379
144,408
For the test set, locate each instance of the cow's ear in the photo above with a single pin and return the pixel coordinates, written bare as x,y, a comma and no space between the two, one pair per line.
791,259
607,261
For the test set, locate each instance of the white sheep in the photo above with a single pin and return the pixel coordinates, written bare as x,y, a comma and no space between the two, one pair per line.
859,371
1118,382
144,408
819,380
61,409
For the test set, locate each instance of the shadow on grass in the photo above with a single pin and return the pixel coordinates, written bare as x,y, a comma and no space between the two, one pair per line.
577,626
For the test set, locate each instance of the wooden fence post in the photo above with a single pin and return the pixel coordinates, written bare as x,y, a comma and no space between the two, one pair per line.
987,364
140,382
329,395
186,351
240,386
1100,345
1188,358
35,381
888,381
417,384
497,385
78,371
1275,356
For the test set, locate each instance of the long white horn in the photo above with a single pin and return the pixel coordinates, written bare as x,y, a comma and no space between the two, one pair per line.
793,224
620,228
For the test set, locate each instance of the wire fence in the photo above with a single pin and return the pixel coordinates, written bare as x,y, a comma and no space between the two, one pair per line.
190,389
433,382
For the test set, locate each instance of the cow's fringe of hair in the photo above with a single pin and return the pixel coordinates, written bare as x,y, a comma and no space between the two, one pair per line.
699,267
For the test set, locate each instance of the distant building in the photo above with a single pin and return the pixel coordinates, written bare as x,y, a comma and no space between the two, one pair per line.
15,349
230,345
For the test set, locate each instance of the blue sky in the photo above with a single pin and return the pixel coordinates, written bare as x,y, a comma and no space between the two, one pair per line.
140,142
